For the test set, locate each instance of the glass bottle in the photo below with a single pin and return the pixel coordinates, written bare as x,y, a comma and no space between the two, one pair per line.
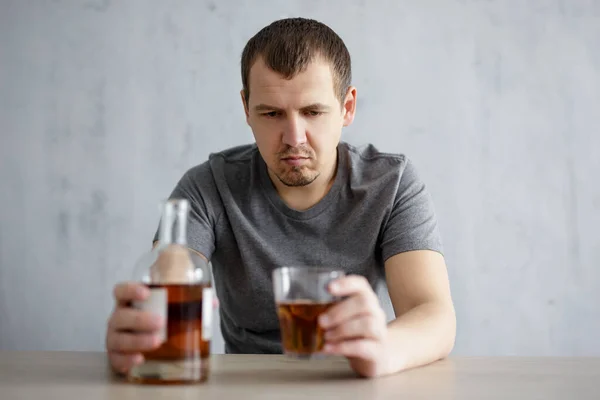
181,292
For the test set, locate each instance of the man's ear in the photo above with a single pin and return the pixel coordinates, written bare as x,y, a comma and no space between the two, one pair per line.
245,106
349,106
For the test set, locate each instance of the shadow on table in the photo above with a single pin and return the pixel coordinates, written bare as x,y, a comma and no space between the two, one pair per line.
268,376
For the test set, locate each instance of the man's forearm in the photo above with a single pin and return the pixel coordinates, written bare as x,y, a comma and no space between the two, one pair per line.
420,336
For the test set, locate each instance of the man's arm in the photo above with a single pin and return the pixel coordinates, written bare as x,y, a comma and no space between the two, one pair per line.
425,328
417,281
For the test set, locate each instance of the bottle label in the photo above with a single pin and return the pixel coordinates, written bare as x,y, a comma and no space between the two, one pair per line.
156,304
207,307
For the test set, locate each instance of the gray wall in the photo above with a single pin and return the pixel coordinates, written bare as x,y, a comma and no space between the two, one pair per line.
104,104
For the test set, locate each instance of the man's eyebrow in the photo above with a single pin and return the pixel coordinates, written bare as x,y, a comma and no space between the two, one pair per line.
314,106
266,107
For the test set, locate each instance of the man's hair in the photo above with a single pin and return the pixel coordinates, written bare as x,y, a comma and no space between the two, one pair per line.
289,45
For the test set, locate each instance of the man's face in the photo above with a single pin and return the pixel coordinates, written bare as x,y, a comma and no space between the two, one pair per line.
297,123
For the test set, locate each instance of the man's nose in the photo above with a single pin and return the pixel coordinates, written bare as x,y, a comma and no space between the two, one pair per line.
294,133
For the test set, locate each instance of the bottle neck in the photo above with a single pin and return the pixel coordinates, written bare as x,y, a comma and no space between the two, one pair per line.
173,226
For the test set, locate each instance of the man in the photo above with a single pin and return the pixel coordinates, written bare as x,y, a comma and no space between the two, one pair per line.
301,196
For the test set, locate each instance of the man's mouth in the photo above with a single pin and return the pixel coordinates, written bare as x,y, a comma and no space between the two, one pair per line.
294,160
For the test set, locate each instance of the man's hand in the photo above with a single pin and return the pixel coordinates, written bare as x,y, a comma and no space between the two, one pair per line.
356,327
130,331
423,331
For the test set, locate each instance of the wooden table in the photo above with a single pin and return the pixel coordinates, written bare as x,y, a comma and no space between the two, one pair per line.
65,375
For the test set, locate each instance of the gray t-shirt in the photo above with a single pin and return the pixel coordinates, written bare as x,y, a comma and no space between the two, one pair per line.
377,207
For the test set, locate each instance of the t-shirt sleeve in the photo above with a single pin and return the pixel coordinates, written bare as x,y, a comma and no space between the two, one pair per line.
198,187
412,223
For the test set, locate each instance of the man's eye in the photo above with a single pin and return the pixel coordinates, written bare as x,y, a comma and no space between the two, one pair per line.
314,113
271,114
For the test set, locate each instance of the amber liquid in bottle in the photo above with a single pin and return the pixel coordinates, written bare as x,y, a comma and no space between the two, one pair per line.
185,354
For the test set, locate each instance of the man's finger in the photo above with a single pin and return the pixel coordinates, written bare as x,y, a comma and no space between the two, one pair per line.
351,308
135,320
360,348
362,327
350,285
123,362
132,342
130,291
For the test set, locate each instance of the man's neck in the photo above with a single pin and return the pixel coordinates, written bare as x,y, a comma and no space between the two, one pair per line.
304,197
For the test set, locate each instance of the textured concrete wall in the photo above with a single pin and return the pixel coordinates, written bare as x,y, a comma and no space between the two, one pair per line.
104,104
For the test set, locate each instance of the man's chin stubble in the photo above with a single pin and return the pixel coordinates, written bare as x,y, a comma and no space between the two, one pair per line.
297,181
